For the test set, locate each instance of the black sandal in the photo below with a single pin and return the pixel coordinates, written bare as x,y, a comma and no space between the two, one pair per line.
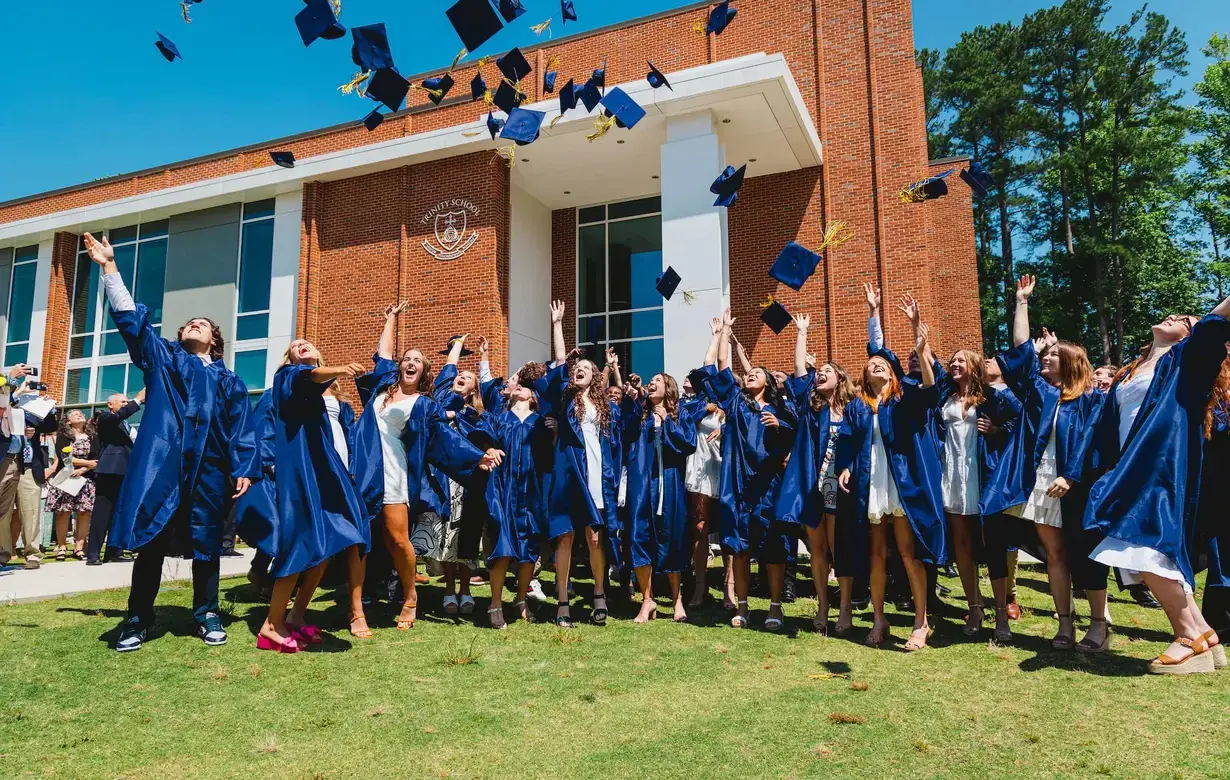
563,621
79,555
600,614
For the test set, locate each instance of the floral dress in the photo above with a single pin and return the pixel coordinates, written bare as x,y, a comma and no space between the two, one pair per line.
58,500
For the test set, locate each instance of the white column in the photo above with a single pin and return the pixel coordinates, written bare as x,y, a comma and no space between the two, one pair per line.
284,286
693,238
529,280
38,316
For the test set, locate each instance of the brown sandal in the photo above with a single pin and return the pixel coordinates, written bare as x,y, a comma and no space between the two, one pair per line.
1215,647
913,644
1199,661
361,633
404,623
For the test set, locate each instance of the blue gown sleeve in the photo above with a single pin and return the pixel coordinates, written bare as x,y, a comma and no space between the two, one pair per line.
442,387
146,348
492,392
724,390
798,389
551,387
679,436
301,384
383,374
1021,370
244,462
847,445
448,450
1203,356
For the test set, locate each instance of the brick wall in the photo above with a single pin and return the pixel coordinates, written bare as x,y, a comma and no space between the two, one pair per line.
954,267
59,311
563,267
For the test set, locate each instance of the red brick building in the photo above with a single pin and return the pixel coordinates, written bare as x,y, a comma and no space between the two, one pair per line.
821,99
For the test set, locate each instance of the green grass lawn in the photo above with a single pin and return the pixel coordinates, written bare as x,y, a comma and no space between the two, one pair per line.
447,699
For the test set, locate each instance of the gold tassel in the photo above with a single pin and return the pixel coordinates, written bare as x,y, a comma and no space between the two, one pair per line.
602,124
506,153
435,93
356,83
337,7
472,133
456,60
914,193
541,27
183,9
768,302
488,98
554,119
482,62
701,27
837,234
828,676
689,297
552,61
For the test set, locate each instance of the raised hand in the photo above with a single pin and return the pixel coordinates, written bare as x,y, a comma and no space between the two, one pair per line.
141,396
483,348
873,296
909,307
715,325
575,354
354,369
1025,288
557,311
393,309
100,253
634,380
802,322
612,359
727,320
769,420
920,338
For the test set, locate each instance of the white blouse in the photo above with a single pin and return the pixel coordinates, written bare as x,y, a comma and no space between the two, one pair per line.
334,409
593,455
391,420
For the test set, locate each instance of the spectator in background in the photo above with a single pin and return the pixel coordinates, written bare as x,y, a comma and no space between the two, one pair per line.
23,516
76,443
115,438
11,444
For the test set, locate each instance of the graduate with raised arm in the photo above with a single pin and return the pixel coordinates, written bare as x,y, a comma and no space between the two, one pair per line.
756,439
886,457
193,457
1151,437
809,492
584,481
306,508
401,432
1042,474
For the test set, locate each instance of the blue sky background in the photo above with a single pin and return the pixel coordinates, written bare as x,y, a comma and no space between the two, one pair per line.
84,94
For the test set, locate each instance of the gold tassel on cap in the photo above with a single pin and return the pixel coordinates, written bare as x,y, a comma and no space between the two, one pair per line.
435,93
602,124
689,297
541,27
488,98
768,302
914,193
701,27
456,60
356,83
506,153
482,62
837,234
472,133
183,10
554,119
552,61
337,7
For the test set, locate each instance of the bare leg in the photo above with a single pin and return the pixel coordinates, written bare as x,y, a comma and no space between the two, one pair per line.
450,579
81,531
307,589
644,582
1061,583
879,581
698,506
963,529
675,579
916,573
61,539
597,560
1097,614
497,571
397,537
525,573
1179,610
741,566
463,576
563,565
728,581
999,587
776,575
356,572
818,544
274,626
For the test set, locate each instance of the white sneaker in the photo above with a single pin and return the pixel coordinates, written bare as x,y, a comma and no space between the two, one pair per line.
535,591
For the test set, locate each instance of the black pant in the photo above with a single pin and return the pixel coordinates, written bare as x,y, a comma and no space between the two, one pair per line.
1216,608
106,493
228,530
147,576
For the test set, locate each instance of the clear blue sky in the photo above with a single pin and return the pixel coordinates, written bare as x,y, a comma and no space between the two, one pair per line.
84,94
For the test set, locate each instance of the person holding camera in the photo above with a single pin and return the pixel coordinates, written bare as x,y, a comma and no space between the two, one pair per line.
23,470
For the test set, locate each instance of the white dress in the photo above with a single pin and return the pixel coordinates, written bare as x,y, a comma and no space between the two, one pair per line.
960,481
882,498
391,421
1132,559
593,456
1039,507
703,469
334,408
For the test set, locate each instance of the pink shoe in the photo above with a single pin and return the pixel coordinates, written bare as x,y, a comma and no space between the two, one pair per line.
287,646
306,634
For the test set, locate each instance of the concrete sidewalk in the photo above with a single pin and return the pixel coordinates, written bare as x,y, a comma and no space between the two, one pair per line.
70,577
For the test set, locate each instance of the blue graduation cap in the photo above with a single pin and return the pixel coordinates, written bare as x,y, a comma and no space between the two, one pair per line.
283,159
168,49
511,9
666,282
926,189
599,77
656,79
475,22
478,87
726,186
567,97
507,97
794,265
370,50
589,95
388,87
978,179
522,126
514,65
494,125
721,15
373,120
317,20
568,11
438,85
625,110
548,81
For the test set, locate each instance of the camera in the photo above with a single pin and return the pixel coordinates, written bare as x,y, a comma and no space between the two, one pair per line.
39,386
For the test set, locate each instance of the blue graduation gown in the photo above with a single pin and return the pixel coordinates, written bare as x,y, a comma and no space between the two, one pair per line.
517,504
435,492
194,443
658,539
752,456
909,441
1000,406
1213,524
1151,492
316,510
570,507
799,499
428,439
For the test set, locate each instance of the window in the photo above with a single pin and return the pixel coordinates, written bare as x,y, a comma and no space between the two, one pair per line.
252,309
21,305
98,364
619,257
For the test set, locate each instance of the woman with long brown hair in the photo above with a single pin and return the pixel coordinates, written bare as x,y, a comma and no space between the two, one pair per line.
1151,438
401,431
703,480
809,493
659,438
893,477
1041,476
76,445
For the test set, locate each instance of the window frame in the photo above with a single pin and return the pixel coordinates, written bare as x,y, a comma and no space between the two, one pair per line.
8,317
606,314
258,344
